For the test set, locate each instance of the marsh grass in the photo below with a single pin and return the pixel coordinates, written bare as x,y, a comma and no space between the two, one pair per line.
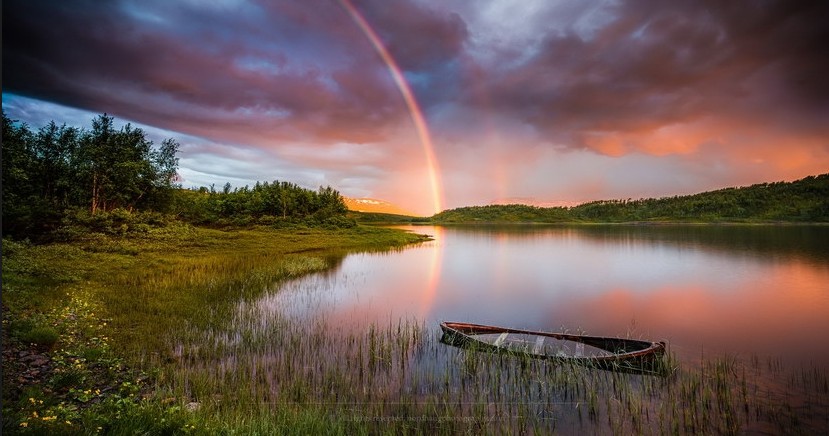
400,376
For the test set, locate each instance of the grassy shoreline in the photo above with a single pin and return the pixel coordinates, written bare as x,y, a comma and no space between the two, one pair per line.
96,315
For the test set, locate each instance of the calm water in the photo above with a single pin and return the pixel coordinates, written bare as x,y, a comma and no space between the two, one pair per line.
737,290
752,301
727,289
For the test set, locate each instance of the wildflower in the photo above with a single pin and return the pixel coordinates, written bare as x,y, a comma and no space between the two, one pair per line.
68,422
24,424
32,400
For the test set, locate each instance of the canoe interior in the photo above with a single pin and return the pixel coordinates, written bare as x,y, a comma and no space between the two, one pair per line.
540,345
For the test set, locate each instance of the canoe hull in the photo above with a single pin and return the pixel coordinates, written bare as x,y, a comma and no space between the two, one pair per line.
621,353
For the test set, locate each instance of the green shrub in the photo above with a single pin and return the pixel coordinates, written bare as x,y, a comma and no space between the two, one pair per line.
11,247
20,327
339,222
67,378
41,336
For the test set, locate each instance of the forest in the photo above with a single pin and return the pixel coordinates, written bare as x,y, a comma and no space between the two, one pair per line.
59,180
804,200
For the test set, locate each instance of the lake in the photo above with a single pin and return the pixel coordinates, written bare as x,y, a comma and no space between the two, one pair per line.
736,290
744,310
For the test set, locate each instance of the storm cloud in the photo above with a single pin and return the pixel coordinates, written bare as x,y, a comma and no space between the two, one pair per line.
512,86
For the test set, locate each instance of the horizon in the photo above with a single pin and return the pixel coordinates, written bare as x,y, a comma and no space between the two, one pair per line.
553,204
432,106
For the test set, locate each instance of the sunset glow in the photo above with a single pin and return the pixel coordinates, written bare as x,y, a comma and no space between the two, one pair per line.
547,103
411,103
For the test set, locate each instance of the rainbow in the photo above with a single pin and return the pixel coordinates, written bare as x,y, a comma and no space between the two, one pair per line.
411,103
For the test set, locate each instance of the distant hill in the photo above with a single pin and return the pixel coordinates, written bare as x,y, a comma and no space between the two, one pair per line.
532,201
384,218
371,205
805,200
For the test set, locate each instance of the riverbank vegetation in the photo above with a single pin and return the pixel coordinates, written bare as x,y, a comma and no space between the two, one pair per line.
804,200
90,326
105,259
59,179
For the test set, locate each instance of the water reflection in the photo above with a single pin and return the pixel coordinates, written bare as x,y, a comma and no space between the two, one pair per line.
711,289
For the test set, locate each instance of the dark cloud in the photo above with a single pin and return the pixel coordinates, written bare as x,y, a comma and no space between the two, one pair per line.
303,69
296,71
420,38
515,83
658,63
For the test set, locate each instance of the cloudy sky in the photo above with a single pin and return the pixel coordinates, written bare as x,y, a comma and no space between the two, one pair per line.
531,100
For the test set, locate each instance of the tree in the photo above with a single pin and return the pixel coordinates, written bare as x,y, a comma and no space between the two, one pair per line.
59,167
121,169
17,163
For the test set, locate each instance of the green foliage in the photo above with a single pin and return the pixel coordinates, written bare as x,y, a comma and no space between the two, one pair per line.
66,182
381,218
503,213
51,171
79,222
805,200
41,336
276,203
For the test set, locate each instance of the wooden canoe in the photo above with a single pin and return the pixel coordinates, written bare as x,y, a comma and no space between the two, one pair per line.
602,352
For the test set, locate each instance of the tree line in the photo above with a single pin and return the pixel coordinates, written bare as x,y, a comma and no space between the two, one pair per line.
103,177
265,203
56,168
804,200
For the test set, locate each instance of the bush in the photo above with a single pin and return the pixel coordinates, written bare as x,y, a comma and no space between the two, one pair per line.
20,327
67,378
41,336
11,247
339,222
78,223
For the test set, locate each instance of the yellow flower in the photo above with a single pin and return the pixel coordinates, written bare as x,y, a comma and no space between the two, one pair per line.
24,424
67,422
34,414
32,400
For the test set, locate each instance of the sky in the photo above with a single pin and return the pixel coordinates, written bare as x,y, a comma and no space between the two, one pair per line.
433,105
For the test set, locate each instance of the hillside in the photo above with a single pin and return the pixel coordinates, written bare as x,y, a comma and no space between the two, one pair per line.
804,200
